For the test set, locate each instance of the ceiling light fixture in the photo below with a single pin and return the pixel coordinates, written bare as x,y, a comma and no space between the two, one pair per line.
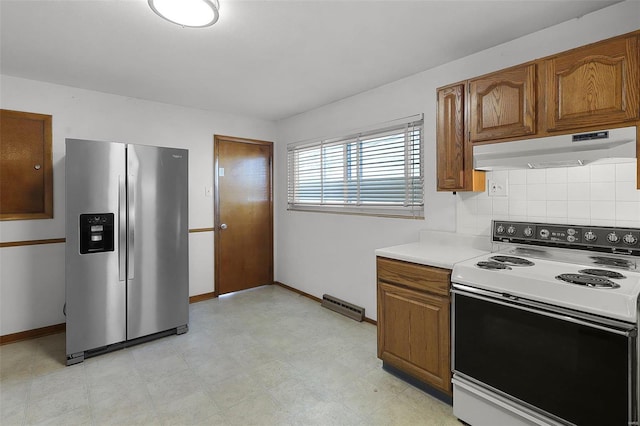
187,13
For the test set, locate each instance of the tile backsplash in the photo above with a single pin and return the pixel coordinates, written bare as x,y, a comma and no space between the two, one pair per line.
602,194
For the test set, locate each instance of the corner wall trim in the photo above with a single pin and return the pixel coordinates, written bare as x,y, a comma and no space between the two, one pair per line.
300,292
191,231
32,242
32,334
314,298
62,240
200,297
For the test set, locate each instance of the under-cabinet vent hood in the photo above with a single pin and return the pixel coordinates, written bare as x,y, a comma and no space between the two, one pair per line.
614,145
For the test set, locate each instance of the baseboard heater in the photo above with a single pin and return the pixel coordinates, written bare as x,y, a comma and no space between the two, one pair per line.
342,307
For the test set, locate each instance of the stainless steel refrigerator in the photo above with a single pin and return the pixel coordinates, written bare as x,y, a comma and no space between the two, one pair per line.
127,247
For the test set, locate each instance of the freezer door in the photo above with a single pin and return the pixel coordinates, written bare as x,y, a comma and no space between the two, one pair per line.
95,209
158,261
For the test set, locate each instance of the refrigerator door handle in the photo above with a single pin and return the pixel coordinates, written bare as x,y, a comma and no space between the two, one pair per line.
131,227
122,228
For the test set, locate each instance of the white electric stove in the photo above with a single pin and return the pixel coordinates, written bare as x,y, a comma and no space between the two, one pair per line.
545,327
580,282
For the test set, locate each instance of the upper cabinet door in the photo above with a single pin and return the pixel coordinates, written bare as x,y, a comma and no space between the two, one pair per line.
454,153
450,138
503,104
594,85
26,166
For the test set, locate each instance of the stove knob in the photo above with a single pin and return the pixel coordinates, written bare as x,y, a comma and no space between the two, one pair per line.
511,230
590,236
571,238
544,233
528,231
571,231
630,239
613,238
500,229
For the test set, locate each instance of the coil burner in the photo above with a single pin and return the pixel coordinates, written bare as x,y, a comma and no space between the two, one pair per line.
612,261
512,260
492,265
588,281
605,273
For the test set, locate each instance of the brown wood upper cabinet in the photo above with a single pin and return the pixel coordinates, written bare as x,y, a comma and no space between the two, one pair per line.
588,88
26,168
450,138
454,155
593,85
503,104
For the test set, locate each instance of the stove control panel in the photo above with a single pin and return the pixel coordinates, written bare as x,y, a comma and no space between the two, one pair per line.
597,238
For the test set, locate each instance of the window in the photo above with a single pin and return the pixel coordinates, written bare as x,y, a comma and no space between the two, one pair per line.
377,172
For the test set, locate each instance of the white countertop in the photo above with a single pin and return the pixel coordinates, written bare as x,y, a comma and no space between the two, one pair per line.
439,249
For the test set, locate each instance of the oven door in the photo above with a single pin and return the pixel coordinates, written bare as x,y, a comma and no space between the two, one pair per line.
569,366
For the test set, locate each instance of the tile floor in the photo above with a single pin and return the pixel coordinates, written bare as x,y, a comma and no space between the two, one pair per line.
266,356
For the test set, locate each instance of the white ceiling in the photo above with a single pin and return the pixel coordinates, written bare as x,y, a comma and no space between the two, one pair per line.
265,59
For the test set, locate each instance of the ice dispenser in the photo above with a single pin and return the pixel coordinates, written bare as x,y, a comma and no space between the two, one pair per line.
96,232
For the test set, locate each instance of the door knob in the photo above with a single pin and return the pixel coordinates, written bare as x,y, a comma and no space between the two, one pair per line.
223,226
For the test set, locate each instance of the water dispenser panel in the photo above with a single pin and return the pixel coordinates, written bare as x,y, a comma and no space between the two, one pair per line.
96,232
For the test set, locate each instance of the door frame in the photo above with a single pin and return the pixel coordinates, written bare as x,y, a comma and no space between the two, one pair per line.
216,203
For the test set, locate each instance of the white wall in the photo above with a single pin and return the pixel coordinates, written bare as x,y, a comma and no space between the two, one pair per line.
316,253
326,253
32,277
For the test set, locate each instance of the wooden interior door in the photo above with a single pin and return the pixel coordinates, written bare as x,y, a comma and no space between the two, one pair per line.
243,213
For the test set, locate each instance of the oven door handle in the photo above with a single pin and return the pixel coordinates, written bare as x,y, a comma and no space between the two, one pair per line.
533,307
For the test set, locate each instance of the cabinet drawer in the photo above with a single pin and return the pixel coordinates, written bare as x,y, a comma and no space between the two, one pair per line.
412,275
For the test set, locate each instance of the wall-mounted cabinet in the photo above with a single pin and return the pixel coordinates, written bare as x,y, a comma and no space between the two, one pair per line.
593,85
589,88
454,154
26,167
503,104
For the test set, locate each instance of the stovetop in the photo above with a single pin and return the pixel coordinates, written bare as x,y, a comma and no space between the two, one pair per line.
602,280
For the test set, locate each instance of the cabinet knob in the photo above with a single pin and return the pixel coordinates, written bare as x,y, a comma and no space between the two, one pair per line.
37,166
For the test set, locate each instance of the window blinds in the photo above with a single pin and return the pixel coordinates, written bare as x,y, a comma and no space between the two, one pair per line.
374,172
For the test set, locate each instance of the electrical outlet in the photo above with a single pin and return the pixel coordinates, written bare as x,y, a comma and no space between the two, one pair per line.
497,188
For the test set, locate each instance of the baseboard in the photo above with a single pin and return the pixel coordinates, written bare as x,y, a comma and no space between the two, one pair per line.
59,328
32,334
201,297
300,292
312,297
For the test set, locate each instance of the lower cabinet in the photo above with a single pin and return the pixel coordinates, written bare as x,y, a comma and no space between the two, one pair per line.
414,321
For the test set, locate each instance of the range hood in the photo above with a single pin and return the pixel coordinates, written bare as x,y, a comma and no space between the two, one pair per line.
614,145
